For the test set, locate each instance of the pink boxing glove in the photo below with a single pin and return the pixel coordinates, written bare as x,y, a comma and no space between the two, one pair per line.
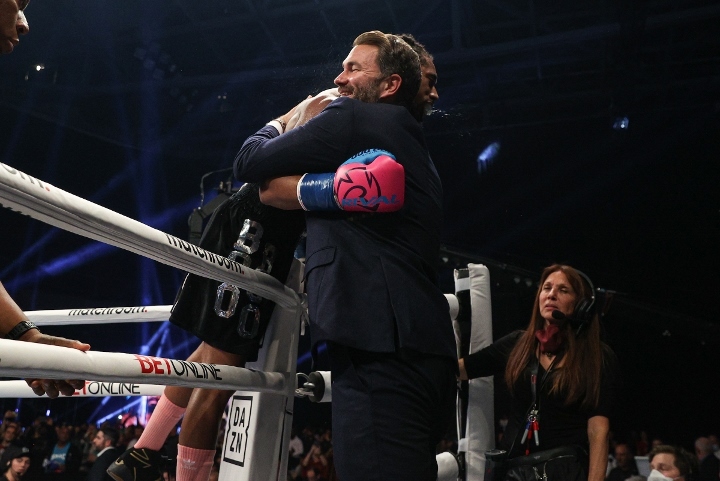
372,185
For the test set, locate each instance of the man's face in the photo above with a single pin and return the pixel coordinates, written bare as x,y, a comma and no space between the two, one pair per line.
9,434
361,78
63,434
20,465
12,23
99,441
427,94
665,463
622,455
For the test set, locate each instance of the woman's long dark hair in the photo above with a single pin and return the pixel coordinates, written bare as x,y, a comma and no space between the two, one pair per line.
579,377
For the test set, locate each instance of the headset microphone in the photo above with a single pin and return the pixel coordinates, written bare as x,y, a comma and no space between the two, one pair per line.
560,316
576,324
584,310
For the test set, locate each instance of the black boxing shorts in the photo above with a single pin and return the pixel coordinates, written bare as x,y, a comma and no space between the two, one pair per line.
273,235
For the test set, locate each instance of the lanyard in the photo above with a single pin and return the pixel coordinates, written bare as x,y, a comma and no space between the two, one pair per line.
532,427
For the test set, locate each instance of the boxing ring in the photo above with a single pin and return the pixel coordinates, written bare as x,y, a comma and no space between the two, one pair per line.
261,410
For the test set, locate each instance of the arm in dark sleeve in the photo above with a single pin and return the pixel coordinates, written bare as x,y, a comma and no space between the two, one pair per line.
492,359
318,146
609,383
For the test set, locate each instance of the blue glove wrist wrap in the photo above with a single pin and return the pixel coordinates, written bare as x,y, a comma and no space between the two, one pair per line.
315,192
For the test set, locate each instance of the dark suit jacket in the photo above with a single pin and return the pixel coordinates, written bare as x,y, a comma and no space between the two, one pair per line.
618,474
98,470
709,468
370,278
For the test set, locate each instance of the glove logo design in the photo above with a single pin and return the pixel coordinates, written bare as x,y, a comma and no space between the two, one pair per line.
360,188
371,181
377,185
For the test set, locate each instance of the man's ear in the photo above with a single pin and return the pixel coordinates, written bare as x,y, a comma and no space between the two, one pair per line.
390,86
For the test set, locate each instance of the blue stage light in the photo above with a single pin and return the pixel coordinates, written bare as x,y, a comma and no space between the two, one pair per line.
487,156
621,123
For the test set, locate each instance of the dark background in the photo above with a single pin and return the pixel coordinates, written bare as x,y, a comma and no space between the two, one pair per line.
135,101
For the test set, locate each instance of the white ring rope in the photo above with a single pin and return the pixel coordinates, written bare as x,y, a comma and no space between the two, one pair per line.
20,389
99,315
42,201
107,315
31,360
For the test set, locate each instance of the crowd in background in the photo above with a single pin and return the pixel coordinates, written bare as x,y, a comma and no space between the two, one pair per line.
626,450
65,452
60,451
702,462
310,454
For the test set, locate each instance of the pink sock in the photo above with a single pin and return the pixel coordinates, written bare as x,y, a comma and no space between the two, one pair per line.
164,418
194,464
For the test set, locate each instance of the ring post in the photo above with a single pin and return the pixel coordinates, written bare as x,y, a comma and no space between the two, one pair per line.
257,433
480,421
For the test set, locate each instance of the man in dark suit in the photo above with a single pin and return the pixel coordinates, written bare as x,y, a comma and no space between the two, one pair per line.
370,272
104,441
709,464
626,466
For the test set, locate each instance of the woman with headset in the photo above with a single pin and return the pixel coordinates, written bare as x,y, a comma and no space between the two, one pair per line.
560,377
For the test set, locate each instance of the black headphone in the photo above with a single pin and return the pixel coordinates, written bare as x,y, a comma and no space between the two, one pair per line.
585,308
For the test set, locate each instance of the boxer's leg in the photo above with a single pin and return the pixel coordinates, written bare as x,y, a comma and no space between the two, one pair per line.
199,430
204,411
167,414
168,411
142,462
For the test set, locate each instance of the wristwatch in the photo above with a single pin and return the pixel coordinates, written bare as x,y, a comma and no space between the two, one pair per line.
20,328
282,123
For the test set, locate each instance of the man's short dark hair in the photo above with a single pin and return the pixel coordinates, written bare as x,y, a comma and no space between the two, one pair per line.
110,433
425,57
395,57
630,449
684,461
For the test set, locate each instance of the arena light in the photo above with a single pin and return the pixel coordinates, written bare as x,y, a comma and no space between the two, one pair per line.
31,251
487,157
85,254
621,123
307,356
115,414
68,262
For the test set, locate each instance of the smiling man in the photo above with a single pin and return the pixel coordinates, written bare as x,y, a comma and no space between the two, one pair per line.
370,276
12,23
